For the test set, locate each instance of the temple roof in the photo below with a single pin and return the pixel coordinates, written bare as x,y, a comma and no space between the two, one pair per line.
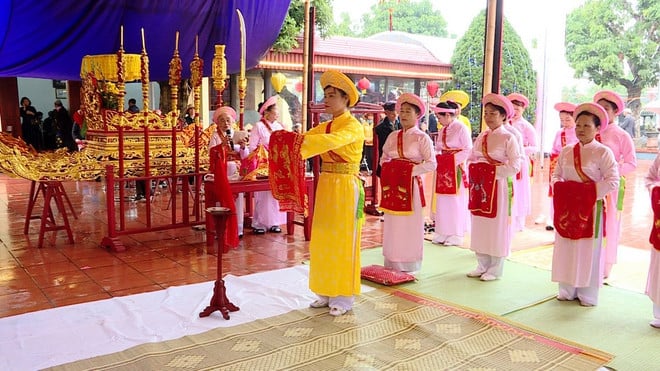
365,56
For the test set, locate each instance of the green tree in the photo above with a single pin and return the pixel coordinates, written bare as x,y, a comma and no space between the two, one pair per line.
294,23
344,28
407,16
517,73
616,43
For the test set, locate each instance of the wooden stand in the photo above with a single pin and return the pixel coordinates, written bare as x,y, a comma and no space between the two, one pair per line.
51,190
219,300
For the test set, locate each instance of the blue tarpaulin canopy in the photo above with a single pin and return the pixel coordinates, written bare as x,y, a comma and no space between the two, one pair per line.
48,39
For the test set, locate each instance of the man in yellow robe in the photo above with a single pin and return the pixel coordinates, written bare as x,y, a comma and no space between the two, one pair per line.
334,273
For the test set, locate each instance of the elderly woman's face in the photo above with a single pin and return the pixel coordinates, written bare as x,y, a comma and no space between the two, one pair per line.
408,115
224,122
585,128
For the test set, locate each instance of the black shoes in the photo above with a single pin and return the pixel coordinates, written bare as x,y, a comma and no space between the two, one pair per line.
275,229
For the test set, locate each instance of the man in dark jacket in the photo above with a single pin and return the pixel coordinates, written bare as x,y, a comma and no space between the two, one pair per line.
385,128
64,125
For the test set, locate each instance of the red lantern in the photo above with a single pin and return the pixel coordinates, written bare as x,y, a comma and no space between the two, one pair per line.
299,87
432,88
364,84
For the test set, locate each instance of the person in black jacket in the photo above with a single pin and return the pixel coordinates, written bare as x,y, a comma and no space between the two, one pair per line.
64,125
30,131
386,126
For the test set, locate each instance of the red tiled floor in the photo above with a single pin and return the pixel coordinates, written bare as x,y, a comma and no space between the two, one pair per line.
61,273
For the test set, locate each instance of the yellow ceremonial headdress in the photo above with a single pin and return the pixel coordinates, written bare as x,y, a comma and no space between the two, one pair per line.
340,81
457,96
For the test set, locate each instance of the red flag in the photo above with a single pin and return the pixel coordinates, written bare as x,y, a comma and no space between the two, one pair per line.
223,194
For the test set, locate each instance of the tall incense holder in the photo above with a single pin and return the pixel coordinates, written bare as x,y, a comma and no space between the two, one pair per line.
144,75
219,73
196,74
121,86
174,73
219,300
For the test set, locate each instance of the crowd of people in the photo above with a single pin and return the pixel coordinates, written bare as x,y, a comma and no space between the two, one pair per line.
481,188
57,130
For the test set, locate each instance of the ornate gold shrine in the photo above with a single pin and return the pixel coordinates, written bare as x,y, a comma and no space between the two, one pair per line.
110,130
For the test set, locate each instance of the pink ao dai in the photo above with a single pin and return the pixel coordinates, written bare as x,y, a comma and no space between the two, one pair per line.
492,236
530,148
574,261
403,236
452,217
624,154
653,278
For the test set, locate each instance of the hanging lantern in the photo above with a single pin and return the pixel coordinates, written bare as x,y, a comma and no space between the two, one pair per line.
299,86
278,80
364,84
432,88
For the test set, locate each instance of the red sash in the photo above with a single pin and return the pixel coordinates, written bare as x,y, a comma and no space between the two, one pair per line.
397,182
654,239
553,161
553,165
267,125
574,203
483,190
446,182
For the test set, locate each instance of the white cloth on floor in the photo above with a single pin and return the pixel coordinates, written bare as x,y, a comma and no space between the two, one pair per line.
55,336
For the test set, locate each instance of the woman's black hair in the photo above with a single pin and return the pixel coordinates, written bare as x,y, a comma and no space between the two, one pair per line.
448,105
595,117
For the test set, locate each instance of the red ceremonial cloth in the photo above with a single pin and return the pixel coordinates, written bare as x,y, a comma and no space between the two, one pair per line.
446,180
224,195
655,229
483,190
287,171
574,209
255,164
397,185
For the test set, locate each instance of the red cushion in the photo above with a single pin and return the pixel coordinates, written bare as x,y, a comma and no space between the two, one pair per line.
385,276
